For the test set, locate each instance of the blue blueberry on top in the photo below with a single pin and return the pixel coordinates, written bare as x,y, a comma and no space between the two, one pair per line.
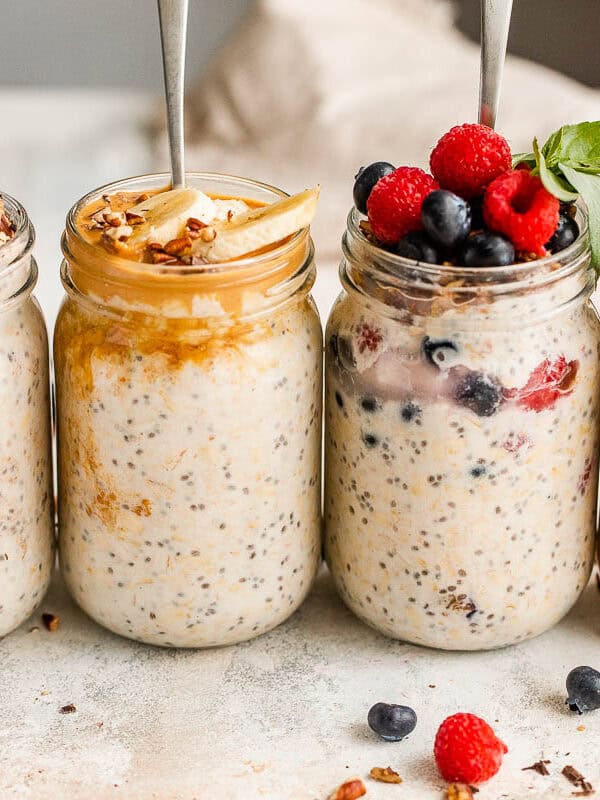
487,250
446,218
365,179
418,247
564,235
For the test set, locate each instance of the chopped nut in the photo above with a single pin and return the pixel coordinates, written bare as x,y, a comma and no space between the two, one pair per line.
195,224
385,775
51,621
576,778
208,234
68,709
161,258
157,246
459,791
98,220
177,246
134,219
350,790
106,198
120,234
115,218
140,199
539,767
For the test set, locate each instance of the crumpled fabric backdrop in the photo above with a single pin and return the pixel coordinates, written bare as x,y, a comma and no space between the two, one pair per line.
308,90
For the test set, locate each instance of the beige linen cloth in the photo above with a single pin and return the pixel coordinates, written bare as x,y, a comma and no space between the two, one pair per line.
306,91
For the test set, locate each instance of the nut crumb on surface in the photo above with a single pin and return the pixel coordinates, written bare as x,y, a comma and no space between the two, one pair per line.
385,775
539,767
68,709
350,790
51,622
459,791
576,778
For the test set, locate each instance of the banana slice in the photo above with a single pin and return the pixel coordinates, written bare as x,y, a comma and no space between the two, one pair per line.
166,213
258,228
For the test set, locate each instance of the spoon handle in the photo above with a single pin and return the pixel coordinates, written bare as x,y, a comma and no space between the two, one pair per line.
173,27
495,22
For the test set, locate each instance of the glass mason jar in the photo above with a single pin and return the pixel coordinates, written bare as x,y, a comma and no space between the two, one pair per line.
189,435
462,433
26,498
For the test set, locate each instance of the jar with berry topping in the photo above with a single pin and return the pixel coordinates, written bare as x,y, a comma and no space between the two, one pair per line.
462,433
26,498
189,418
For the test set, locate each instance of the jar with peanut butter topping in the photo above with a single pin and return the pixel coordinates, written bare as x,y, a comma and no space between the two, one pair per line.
188,368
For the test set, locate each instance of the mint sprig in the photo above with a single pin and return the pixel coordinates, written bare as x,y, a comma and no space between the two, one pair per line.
569,166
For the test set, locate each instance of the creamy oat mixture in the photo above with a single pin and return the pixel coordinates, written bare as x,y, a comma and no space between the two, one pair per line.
189,455
461,468
26,502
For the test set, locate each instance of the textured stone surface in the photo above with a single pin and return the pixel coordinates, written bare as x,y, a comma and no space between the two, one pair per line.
281,717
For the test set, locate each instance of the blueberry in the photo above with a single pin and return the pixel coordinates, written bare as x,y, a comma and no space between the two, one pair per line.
583,689
365,179
342,352
369,404
392,722
564,235
487,250
438,351
410,411
478,471
446,217
418,247
479,392
339,399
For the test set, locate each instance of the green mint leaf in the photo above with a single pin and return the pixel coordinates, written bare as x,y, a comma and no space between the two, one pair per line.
589,188
523,158
554,183
574,145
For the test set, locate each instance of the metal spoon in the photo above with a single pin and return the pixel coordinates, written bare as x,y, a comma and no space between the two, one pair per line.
173,27
495,22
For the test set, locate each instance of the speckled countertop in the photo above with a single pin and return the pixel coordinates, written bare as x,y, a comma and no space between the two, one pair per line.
284,716
281,717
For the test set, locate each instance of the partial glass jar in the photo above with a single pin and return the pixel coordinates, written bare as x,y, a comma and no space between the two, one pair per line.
26,497
189,435
462,431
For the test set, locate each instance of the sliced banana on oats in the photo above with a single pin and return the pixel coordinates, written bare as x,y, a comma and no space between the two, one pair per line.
256,229
166,213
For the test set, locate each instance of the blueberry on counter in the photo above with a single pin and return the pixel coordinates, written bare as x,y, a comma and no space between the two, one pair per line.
392,722
365,179
583,689
479,392
438,351
487,250
564,235
416,246
446,217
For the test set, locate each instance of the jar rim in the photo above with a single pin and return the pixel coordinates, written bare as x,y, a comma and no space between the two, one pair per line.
18,271
162,180
396,266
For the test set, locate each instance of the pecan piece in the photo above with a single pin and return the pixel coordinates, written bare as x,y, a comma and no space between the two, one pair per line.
385,775
178,246
208,234
350,790
134,219
51,622
195,224
68,709
459,791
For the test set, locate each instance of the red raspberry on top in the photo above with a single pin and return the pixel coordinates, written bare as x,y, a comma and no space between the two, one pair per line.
394,205
517,205
468,157
467,750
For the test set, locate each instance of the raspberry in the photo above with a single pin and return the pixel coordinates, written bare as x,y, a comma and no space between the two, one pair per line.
548,381
394,205
517,205
466,749
468,157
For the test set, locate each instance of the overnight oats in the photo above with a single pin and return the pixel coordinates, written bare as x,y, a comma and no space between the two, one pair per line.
26,500
188,368
461,405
